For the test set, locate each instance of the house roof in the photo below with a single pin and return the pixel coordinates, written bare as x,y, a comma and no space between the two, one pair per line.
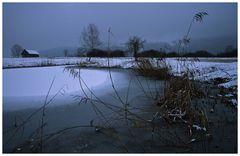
32,51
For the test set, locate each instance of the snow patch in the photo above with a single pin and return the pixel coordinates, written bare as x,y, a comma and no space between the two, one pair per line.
206,70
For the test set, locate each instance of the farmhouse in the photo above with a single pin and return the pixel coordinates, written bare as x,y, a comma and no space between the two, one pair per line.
30,53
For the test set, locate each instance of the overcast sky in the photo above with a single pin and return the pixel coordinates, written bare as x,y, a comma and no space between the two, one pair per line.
48,25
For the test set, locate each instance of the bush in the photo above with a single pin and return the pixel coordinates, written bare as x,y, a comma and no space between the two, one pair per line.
172,54
152,53
97,53
102,53
117,53
200,53
160,70
232,53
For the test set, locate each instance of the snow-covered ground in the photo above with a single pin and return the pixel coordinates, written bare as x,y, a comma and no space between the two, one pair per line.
208,68
32,62
211,70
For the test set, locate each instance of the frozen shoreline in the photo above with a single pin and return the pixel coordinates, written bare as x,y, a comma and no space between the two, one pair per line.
65,112
209,68
89,140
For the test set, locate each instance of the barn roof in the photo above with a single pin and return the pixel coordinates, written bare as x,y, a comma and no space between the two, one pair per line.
32,51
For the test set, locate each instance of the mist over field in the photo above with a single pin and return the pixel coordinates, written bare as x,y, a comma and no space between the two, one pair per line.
46,26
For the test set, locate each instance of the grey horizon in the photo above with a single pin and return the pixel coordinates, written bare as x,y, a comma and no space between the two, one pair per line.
43,26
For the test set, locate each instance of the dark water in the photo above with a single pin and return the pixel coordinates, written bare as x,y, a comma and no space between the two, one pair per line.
98,100
103,113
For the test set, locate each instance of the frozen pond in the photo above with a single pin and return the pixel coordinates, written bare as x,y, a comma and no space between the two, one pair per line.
36,81
23,85
88,115
25,90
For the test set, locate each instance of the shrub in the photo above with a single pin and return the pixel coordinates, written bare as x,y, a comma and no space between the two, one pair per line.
97,53
116,53
200,53
172,54
232,53
159,70
152,53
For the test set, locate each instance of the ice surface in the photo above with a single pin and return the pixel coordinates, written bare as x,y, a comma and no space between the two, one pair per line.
36,81
207,69
27,87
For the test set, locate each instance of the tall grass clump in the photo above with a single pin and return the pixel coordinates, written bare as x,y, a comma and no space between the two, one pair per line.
155,68
176,104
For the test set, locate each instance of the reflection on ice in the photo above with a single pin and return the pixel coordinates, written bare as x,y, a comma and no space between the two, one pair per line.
36,81
25,88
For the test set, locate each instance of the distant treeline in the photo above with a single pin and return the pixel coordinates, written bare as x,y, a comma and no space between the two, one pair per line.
157,54
101,53
200,53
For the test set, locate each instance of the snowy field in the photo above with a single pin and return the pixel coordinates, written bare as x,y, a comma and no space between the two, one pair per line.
208,68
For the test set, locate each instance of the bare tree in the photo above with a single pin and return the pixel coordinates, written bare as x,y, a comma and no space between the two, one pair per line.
90,37
135,44
16,50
